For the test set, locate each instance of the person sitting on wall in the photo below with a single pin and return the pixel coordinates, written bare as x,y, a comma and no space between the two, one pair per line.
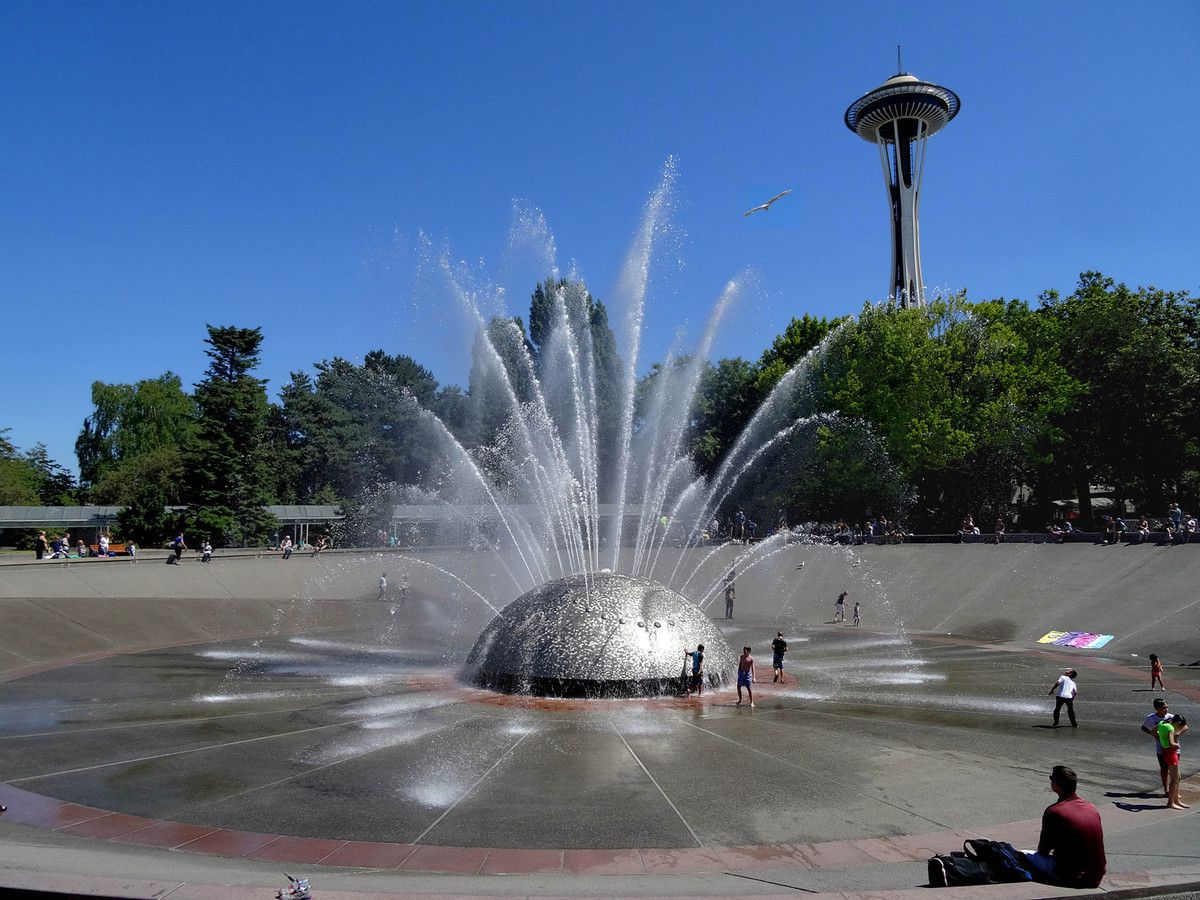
967,528
1064,530
1143,529
1110,529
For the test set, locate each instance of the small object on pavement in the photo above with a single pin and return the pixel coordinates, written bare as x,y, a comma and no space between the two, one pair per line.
297,889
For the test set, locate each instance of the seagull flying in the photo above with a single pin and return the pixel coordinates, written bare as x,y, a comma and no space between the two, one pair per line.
767,205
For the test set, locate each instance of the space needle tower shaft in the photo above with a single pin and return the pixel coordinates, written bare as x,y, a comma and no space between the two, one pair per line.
899,117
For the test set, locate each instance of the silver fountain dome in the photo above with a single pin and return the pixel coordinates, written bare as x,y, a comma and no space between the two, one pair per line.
597,635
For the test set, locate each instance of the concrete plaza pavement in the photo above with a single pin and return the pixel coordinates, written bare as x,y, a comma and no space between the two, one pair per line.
334,730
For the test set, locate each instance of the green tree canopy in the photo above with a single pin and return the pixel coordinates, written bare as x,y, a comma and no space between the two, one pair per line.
962,394
32,478
1136,354
355,428
136,432
800,336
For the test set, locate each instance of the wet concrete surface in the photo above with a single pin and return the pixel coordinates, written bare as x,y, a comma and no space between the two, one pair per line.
368,736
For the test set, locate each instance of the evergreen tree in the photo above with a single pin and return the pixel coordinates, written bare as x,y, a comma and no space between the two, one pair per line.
353,429
228,474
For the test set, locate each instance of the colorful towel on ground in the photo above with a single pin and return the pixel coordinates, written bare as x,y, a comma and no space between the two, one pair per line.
1081,640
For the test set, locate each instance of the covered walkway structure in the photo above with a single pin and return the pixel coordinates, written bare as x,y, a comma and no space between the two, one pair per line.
86,522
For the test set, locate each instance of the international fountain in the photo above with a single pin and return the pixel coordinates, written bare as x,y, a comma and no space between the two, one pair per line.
605,604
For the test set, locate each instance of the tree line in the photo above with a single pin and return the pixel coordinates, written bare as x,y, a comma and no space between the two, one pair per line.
996,407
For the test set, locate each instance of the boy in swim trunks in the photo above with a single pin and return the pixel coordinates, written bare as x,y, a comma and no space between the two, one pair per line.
745,676
778,648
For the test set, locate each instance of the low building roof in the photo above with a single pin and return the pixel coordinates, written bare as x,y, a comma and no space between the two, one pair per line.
52,516
102,516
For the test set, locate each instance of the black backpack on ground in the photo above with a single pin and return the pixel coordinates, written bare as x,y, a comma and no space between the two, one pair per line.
954,869
1006,861
980,862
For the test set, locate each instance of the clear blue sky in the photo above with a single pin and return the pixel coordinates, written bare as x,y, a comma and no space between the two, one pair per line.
164,165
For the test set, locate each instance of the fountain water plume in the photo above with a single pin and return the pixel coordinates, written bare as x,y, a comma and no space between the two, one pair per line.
635,276
542,449
473,468
671,405
782,398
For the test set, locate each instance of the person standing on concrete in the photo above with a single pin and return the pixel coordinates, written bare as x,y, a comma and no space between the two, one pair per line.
40,546
1064,692
1070,848
839,608
1156,669
179,546
1150,726
857,613
778,648
745,676
383,586
1169,731
697,656
730,596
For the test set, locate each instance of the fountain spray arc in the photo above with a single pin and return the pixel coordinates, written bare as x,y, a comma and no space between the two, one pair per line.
595,619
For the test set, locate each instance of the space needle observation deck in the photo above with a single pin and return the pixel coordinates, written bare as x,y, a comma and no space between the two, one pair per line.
899,116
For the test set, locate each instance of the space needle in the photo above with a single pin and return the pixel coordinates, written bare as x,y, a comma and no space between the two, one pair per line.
899,116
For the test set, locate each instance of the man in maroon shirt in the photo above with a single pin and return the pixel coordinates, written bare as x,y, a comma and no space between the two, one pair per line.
1071,847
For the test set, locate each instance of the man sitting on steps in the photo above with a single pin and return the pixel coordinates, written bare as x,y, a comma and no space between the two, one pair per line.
1071,847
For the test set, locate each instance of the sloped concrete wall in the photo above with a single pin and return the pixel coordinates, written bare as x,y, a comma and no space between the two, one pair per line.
1148,597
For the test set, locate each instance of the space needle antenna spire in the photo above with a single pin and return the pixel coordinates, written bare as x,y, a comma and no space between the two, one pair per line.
898,117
